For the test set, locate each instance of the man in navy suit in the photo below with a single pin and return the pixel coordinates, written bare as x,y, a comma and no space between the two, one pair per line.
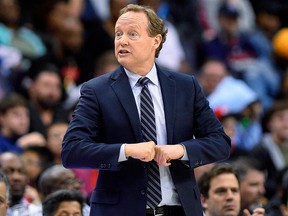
105,130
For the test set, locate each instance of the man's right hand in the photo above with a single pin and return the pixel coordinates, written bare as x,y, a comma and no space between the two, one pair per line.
144,151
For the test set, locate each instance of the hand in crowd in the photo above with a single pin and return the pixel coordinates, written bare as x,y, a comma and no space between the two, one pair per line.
34,138
32,195
256,212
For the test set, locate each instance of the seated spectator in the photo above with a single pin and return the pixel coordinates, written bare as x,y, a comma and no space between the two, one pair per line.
14,122
278,205
273,147
10,60
220,192
46,94
55,134
36,159
234,48
230,122
172,54
221,87
56,178
63,202
12,166
15,35
252,182
4,194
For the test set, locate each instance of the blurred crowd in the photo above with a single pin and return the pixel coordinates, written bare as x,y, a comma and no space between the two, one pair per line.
237,49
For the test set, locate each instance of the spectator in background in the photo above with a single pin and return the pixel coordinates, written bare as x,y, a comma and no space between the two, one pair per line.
273,147
36,159
63,202
13,167
172,55
278,205
15,35
234,47
252,183
220,192
209,13
55,134
14,122
4,194
56,178
46,95
221,89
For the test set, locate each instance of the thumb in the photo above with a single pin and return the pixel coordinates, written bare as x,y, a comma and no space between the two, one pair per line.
246,212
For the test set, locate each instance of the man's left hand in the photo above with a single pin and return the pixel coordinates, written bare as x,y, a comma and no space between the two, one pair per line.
165,153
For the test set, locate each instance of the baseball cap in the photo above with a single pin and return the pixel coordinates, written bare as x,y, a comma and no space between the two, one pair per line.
228,10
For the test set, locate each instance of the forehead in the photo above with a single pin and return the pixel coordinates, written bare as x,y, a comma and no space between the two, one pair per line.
253,174
224,180
11,162
67,207
132,19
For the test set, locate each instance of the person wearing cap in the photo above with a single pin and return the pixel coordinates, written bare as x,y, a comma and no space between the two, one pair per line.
235,48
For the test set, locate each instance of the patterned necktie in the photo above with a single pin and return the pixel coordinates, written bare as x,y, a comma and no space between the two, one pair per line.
149,134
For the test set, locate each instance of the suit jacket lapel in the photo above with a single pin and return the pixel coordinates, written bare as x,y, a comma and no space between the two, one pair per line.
169,96
122,89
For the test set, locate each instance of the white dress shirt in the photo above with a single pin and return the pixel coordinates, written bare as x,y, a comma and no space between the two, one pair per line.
169,194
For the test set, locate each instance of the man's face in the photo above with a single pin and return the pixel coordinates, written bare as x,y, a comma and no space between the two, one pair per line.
13,168
223,197
252,188
3,200
16,121
55,136
278,125
46,90
134,48
68,208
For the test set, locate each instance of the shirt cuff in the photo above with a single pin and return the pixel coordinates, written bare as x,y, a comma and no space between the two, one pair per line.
122,156
185,156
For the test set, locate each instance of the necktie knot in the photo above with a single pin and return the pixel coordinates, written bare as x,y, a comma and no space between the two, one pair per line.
143,81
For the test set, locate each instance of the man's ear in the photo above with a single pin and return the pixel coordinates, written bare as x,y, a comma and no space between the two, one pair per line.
157,40
203,201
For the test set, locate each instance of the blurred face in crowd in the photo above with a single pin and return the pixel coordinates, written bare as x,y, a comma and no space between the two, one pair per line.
70,34
69,208
278,126
13,168
229,25
55,136
15,122
67,180
57,15
9,13
211,75
134,48
32,163
4,203
252,188
223,196
46,90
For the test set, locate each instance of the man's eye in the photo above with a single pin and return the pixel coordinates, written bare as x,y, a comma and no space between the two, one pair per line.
118,34
133,34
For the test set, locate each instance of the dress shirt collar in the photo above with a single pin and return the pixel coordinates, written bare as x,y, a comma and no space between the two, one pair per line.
152,75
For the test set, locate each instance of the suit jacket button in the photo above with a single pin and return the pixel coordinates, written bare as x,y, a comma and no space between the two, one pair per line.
143,192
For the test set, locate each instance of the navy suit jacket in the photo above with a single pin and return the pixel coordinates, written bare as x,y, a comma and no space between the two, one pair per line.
106,117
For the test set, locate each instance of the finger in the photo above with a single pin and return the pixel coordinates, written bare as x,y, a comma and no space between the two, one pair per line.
246,212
